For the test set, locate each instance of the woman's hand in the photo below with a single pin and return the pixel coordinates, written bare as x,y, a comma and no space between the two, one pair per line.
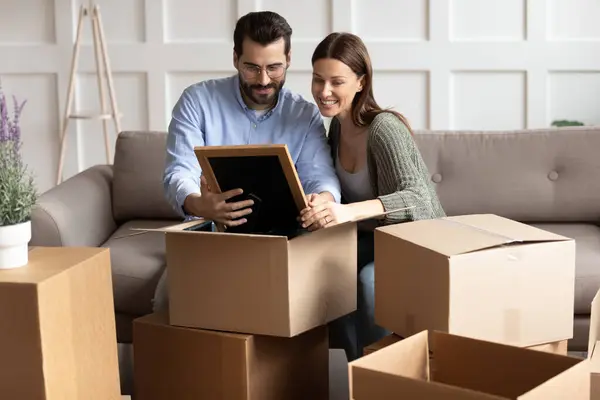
321,214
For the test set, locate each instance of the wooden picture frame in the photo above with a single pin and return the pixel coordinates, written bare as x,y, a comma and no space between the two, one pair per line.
251,167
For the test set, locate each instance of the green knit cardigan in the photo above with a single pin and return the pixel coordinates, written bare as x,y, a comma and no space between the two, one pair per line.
397,172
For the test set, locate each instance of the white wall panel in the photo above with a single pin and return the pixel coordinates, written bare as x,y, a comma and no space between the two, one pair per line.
434,60
297,13
574,19
391,20
199,20
123,21
488,100
575,96
25,22
300,82
131,96
405,92
39,122
495,20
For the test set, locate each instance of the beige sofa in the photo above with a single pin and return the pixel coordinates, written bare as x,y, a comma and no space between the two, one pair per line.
549,178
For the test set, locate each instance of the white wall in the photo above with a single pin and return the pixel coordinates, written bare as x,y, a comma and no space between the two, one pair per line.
446,64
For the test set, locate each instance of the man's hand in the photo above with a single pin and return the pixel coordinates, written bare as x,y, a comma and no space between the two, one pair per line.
213,206
314,199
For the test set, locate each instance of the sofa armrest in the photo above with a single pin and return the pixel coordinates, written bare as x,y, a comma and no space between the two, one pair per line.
77,212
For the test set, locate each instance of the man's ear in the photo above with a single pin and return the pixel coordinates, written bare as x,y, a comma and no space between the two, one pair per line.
288,58
235,60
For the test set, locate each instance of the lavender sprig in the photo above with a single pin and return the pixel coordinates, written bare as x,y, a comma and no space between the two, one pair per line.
18,194
3,117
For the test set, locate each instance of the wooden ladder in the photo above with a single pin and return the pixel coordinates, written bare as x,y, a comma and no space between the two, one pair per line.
102,70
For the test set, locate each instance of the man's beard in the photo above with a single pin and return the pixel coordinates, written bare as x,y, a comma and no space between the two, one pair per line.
261,99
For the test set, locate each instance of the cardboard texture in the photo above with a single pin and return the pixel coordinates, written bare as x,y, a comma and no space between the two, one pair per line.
260,284
466,368
559,347
57,335
593,346
594,334
594,374
186,363
481,276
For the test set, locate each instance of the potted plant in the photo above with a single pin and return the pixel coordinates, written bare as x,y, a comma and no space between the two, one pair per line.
17,190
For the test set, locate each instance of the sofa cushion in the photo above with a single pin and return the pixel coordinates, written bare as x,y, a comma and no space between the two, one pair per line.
535,175
587,273
138,261
138,177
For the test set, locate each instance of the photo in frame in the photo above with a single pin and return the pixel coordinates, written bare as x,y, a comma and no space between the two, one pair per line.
266,174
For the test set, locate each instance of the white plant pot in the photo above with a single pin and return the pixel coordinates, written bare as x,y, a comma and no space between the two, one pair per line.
14,240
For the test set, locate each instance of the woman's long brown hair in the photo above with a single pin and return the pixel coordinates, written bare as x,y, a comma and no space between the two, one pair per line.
350,49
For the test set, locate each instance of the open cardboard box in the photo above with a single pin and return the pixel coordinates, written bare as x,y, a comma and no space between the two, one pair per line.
466,368
559,347
260,283
481,276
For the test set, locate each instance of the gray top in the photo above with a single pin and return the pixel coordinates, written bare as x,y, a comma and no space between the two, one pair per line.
355,186
397,173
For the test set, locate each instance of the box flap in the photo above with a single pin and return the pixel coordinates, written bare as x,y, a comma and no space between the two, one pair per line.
187,227
359,218
370,216
594,360
594,324
493,368
468,233
164,229
573,383
393,361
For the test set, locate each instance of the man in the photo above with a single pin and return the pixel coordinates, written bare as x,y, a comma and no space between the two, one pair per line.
252,107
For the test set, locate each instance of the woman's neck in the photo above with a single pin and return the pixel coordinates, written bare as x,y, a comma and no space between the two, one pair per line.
347,126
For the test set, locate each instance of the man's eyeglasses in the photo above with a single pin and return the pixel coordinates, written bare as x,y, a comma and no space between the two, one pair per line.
254,71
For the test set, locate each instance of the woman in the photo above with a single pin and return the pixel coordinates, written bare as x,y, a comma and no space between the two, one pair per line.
378,163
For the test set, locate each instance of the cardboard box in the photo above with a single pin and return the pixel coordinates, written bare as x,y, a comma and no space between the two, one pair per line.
480,276
187,363
559,347
466,368
594,357
260,284
593,348
381,343
57,327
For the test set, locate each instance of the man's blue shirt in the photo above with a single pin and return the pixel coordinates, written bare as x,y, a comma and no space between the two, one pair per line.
213,113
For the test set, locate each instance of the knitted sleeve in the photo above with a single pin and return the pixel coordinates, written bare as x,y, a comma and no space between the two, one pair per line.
402,176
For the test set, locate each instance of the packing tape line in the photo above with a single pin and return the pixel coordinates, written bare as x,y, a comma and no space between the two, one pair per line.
512,325
507,238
